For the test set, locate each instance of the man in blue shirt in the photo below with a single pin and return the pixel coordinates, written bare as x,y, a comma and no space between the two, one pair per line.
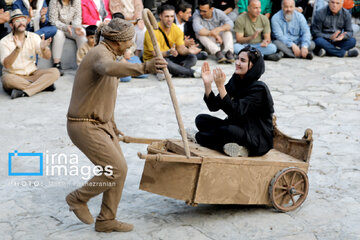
291,32
332,31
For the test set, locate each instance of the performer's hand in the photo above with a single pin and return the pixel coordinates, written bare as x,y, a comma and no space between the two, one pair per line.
219,77
155,65
140,24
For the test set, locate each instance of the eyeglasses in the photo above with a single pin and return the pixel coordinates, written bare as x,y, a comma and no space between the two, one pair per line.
19,20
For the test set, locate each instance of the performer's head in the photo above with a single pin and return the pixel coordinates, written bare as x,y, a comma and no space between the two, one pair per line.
118,33
250,63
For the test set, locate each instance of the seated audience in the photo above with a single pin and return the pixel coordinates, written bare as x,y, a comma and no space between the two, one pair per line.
171,42
132,11
247,102
253,28
213,29
228,6
90,43
18,50
266,6
332,31
95,12
4,18
66,16
38,19
291,32
182,20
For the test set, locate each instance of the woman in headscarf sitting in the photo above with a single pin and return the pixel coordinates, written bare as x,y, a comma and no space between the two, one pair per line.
247,102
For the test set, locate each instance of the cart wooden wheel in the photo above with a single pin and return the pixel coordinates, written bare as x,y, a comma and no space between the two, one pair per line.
289,189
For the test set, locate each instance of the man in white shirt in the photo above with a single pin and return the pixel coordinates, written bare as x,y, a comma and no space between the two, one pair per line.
18,56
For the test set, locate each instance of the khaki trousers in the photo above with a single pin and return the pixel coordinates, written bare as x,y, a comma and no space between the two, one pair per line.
100,144
213,47
32,84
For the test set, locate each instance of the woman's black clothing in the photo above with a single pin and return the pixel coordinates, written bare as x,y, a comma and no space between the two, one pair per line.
249,108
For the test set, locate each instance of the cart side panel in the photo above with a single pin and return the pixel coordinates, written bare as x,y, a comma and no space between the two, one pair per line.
235,184
175,180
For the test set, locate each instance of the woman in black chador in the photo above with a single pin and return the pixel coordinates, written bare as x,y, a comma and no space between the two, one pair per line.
247,102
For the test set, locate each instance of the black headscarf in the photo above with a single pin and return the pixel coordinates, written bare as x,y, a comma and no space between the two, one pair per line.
238,86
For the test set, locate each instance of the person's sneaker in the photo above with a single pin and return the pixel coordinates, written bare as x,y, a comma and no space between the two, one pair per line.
113,226
229,57
15,93
309,56
202,55
321,52
235,150
79,208
50,88
281,54
220,58
352,53
273,57
197,73
58,66
160,76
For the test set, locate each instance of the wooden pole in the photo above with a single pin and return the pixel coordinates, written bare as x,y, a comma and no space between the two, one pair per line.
148,18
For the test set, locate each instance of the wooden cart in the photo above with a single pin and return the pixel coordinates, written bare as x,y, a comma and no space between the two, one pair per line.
189,172
277,179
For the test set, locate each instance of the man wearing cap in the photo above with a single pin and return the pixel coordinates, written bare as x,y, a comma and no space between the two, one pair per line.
18,50
91,126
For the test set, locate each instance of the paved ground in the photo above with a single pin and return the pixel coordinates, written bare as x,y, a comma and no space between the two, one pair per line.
318,94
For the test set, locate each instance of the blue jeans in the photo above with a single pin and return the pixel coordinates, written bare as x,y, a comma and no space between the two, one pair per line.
270,49
48,31
335,48
133,59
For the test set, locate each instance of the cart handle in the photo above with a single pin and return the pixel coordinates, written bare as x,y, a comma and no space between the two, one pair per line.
148,18
170,158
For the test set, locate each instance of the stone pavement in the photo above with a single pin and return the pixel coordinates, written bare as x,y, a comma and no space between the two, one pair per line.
318,94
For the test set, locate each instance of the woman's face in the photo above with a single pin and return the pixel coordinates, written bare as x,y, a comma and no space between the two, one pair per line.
242,64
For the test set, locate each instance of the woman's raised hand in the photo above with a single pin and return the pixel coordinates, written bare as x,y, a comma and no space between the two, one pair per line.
206,74
219,77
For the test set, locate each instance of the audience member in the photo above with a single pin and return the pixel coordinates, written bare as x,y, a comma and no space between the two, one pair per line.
332,31
228,6
90,43
213,29
171,42
132,11
266,6
253,28
4,17
291,32
38,20
18,56
184,22
66,16
95,12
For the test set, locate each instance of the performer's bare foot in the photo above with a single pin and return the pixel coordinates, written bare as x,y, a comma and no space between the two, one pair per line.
113,226
79,208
